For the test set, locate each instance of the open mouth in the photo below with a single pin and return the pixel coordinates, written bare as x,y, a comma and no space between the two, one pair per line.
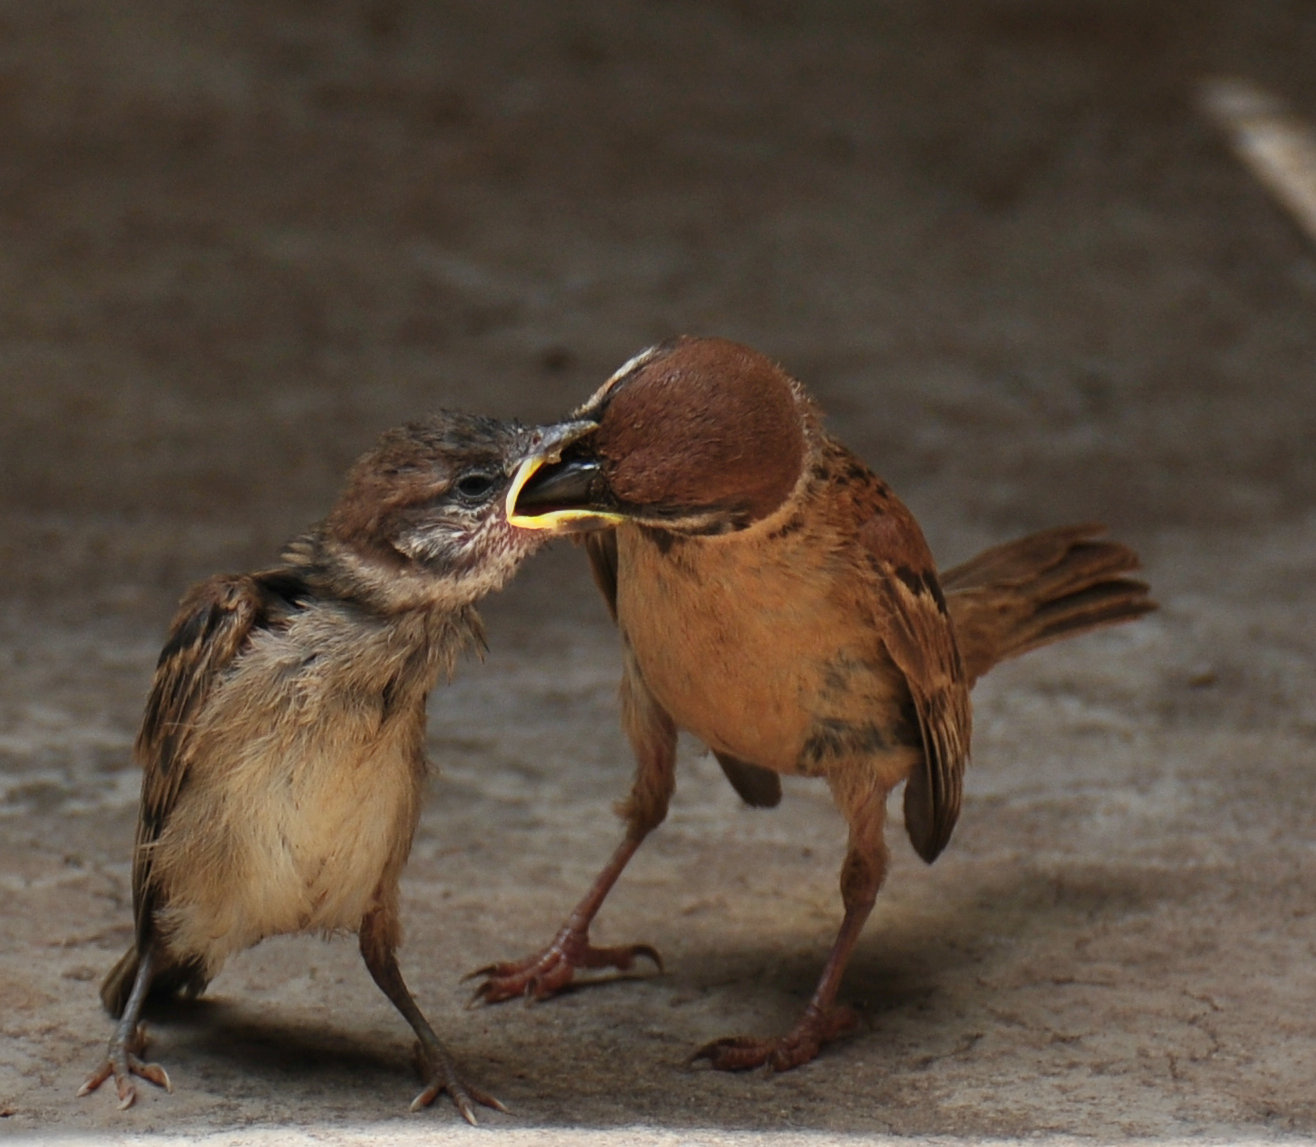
562,489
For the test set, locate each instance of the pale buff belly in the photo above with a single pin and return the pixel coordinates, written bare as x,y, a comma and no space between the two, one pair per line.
297,840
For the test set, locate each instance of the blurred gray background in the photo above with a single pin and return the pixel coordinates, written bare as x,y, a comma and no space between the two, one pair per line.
1030,283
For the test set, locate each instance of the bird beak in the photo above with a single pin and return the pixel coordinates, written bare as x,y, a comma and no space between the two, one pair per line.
562,495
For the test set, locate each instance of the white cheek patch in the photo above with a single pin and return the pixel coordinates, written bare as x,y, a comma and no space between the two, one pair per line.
460,566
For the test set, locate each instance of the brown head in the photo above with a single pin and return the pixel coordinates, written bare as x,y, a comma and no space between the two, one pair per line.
420,519
695,435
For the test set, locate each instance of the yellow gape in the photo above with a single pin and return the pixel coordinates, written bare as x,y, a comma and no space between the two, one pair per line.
556,521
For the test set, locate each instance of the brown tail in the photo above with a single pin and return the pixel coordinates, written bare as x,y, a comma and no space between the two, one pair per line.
185,979
1036,590
119,982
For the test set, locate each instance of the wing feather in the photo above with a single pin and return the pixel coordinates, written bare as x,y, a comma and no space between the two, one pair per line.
213,623
919,637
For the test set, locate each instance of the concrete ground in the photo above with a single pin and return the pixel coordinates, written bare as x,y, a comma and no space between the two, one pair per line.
1030,284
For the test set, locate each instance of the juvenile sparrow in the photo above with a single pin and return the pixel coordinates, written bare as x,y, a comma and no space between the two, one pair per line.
777,600
282,746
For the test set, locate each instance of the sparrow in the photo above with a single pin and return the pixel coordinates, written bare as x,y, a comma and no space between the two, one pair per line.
282,746
776,599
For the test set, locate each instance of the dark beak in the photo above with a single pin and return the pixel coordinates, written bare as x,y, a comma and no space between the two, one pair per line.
562,494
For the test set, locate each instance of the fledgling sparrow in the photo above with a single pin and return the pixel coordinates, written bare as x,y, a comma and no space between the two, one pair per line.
282,746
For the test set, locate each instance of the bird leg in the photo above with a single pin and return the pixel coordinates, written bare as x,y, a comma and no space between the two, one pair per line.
379,940
653,736
550,970
823,1020
126,1045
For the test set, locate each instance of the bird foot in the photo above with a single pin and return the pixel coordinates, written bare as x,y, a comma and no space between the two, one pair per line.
547,972
122,1062
443,1076
780,1053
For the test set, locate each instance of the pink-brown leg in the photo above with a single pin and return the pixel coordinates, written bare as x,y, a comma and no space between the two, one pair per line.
823,1020
550,970
653,736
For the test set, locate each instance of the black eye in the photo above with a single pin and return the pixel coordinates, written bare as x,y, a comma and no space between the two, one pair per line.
475,486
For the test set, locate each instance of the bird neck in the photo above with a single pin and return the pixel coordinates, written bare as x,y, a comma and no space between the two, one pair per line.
416,606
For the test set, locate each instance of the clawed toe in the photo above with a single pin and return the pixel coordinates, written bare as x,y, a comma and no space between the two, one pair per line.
551,970
781,1053
465,1096
735,1053
122,1062
95,1079
151,1072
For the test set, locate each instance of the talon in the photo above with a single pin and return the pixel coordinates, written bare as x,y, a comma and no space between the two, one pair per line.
122,1063
539,976
650,953
443,1076
725,1054
95,1079
154,1073
781,1053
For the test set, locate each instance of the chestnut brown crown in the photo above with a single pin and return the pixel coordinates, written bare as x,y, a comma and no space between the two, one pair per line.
699,431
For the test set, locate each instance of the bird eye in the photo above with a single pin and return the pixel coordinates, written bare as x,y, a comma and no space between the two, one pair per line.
475,485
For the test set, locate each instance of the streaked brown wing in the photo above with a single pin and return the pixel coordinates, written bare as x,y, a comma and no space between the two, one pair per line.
917,633
213,622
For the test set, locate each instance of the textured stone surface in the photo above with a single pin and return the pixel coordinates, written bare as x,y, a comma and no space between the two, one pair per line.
1029,284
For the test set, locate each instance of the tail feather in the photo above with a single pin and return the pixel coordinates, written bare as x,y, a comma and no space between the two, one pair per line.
119,982
1038,589
188,979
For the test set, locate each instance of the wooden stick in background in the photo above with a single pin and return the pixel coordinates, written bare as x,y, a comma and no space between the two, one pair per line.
1276,144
